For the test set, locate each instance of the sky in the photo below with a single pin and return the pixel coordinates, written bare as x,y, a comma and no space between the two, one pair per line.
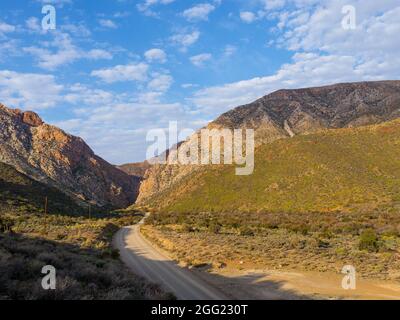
112,70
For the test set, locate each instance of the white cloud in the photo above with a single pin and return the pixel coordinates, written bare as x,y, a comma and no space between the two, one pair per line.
277,4
250,17
29,90
185,40
121,14
247,16
188,85
160,83
150,97
200,59
107,23
324,53
198,12
59,3
6,28
145,7
129,72
78,30
81,94
320,29
33,24
149,3
97,54
9,48
66,52
123,124
156,55
229,50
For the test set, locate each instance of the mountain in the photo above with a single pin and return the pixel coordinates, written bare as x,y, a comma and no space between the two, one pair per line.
300,111
347,170
48,155
287,113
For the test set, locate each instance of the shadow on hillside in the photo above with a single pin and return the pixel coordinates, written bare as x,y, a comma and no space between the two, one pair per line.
82,274
33,198
26,199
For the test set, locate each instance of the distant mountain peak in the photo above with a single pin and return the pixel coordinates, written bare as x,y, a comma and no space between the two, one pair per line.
310,109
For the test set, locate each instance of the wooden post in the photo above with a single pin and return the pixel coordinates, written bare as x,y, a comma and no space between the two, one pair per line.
45,206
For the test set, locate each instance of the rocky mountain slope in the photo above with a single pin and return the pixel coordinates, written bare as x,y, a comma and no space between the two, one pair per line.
49,155
287,113
349,170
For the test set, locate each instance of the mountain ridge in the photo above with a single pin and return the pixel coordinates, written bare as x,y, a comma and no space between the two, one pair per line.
51,156
289,112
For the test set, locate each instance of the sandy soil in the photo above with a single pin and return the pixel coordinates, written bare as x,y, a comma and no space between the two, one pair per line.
264,284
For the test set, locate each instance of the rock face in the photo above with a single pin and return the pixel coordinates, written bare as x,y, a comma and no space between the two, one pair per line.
286,113
51,156
32,119
137,169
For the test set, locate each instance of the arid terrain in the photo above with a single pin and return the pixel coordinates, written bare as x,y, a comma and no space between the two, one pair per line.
281,265
324,194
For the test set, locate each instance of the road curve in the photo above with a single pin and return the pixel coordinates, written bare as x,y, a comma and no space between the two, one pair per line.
146,260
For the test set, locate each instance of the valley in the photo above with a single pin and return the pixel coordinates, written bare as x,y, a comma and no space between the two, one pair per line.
325,193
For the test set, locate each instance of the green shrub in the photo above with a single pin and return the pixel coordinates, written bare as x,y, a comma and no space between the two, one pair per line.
390,243
369,241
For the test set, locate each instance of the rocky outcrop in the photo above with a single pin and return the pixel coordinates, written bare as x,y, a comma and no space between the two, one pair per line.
286,113
51,156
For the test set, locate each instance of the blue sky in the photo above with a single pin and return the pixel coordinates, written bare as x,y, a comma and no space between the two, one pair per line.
112,70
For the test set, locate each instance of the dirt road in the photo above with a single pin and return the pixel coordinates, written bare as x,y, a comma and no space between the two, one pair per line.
149,262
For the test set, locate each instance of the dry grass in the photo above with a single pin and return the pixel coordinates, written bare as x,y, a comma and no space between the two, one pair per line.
80,250
309,242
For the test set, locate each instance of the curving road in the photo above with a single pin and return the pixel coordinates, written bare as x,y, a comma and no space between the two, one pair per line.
146,260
